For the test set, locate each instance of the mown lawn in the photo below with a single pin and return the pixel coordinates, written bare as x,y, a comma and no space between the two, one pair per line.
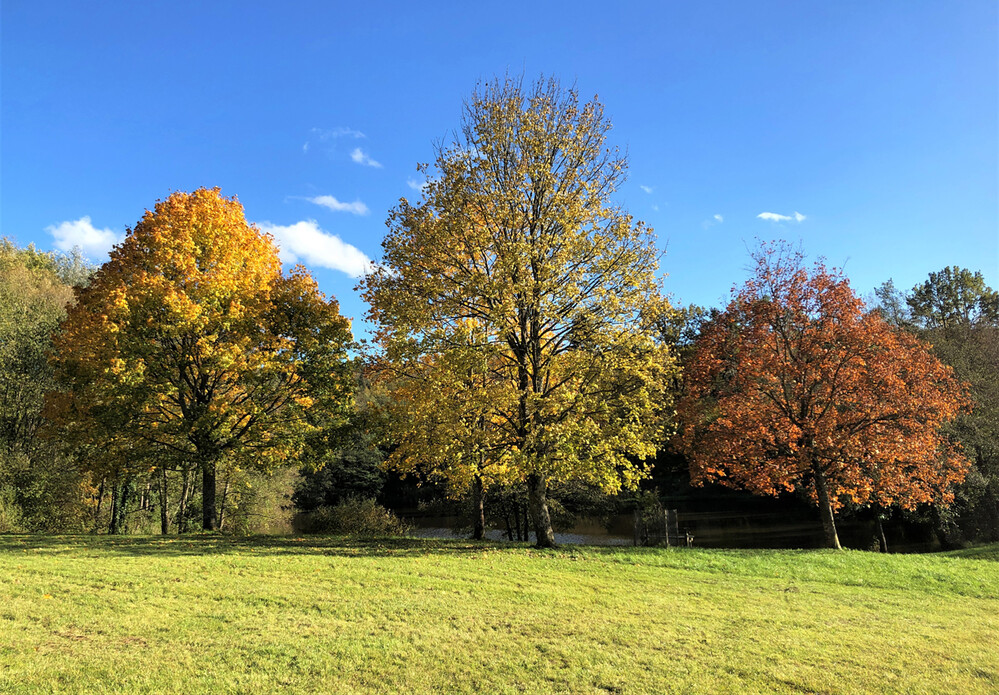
292,615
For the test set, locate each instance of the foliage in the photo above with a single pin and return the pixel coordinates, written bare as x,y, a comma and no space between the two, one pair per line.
957,313
190,347
953,297
346,462
355,516
258,502
40,488
352,472
517,306
795,387
220,614
10,511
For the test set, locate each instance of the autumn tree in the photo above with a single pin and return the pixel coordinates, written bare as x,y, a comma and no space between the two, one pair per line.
191,348
795,387
517,305
958,313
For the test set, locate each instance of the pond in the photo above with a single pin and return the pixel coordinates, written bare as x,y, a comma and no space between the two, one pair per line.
584,532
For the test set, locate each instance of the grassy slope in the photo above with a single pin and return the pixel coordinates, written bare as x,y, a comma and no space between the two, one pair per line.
87,614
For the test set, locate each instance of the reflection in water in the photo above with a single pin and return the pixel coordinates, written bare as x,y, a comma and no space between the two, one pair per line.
714,529
497,535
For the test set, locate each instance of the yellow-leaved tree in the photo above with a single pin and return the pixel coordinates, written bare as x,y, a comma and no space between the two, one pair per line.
517,306
190,348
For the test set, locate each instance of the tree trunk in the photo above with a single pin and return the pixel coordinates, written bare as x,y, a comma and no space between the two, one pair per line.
225,496
209,516
826,510
882,541
164,515
516,520
478,509
526,520
185,493
119,505
100,502
537,490
113,529
126,490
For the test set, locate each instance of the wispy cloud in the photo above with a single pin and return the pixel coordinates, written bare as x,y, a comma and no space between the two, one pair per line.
328,135
331,203
93,242
361,157
647,189
774,217
655,208
305,242
712,221
340,132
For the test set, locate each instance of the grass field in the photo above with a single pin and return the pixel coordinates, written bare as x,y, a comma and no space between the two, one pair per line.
291,615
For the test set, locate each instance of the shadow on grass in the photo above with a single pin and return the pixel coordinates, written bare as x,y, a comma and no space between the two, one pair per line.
359,546
980,552
206,544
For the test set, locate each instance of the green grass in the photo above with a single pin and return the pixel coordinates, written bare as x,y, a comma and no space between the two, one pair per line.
213,614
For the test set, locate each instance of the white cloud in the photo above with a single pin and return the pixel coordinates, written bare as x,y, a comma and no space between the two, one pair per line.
655,208
715,219
774,217
93,242
361,157
328,201
647,189
321,135
307,243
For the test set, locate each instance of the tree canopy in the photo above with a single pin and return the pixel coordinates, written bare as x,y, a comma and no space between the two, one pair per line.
191,348
795,386
957,313
40,490
517,305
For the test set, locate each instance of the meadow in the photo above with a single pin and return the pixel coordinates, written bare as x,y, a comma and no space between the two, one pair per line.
213,614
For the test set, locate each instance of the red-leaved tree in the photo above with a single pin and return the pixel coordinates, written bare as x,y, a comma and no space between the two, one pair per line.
795,386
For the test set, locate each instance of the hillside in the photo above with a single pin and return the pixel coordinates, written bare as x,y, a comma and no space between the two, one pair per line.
294,615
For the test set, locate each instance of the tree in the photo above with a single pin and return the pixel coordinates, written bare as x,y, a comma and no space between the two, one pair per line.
794,387
953,298
959,314
516,304
40,489
190,346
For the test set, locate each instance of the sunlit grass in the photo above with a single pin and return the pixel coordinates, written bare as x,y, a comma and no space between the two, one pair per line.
212,614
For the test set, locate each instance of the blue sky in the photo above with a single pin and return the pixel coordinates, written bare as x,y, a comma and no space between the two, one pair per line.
871,127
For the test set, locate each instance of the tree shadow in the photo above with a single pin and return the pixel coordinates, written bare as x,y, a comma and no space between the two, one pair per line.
211,544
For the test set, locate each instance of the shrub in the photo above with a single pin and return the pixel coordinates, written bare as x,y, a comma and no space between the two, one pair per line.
355,516
10,512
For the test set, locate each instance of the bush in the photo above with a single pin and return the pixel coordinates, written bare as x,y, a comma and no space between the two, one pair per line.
258,503
10,512
354,516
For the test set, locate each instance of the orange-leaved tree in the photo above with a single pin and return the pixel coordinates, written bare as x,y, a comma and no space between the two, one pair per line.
795,386
190,347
